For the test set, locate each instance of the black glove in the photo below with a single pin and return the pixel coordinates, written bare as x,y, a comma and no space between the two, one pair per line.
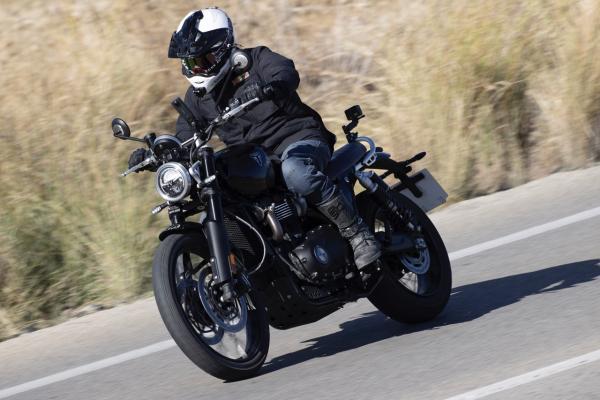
270,91
253,91
275,90
137,157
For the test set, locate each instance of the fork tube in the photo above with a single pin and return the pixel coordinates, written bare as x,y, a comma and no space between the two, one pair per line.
214,224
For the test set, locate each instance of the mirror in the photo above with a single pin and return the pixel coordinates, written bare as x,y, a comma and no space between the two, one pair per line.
354,113
120,129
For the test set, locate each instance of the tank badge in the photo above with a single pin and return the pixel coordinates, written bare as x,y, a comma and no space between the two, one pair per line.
258,158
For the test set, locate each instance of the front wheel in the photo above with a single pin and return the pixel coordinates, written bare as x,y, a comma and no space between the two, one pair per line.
228,340
416,284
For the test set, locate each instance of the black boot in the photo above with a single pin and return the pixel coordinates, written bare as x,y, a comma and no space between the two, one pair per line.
341,212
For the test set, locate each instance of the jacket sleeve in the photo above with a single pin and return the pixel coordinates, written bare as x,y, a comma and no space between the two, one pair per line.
183,130
274,67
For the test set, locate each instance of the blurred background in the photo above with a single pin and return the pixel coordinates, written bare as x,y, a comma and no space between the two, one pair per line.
498,93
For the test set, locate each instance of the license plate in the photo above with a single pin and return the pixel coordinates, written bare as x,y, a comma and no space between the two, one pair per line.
433,193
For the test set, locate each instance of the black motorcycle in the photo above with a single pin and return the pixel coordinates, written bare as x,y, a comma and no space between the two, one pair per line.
256,255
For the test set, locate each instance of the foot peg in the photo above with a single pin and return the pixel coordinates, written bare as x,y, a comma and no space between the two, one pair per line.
371,275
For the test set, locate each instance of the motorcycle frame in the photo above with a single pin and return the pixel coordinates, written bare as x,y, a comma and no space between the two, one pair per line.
288,306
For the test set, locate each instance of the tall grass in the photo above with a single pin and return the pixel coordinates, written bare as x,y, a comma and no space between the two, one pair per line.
497,92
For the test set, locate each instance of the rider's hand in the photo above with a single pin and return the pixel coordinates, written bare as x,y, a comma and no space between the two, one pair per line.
253,91
137,157
270,91
274,90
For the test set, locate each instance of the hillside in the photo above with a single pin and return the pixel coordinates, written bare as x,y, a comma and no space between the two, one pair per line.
498,93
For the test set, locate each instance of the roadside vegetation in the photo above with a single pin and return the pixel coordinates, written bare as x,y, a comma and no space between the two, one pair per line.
498,93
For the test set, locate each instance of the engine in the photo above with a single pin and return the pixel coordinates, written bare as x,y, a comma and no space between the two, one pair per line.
319,255
322,256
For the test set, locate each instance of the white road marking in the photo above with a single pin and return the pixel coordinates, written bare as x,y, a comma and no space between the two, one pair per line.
524,234
469,251
528,377
87,368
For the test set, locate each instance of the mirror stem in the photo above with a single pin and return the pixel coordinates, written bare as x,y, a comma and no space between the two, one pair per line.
132,138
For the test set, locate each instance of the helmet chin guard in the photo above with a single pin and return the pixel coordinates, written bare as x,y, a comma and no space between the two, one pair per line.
204,85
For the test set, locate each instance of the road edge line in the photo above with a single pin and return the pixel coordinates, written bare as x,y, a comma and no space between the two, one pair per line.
528,377
524,234
87,368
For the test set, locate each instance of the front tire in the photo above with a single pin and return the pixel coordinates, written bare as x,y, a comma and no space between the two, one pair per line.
180,267
402,294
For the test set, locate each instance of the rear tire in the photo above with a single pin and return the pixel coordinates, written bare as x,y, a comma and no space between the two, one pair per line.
198,347
391,296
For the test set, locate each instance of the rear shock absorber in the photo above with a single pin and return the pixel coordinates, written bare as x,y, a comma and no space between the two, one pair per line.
382,194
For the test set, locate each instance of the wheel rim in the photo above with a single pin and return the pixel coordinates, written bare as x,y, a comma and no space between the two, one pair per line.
417,261
415,270
234,340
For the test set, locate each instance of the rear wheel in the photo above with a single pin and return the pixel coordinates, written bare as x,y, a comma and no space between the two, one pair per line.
416,284
228,340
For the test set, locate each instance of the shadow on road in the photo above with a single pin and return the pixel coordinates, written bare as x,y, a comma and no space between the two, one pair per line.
466,303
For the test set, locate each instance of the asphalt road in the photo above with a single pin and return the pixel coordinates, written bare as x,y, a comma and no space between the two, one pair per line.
515,308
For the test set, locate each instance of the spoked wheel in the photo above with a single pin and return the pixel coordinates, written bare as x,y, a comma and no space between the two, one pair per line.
416,284
228,340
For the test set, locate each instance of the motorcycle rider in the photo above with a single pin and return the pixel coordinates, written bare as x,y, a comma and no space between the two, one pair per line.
281,122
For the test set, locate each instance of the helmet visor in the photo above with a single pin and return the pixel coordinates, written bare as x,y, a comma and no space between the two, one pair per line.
203,65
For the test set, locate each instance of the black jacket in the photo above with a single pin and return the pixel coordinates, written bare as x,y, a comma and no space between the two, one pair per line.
274,124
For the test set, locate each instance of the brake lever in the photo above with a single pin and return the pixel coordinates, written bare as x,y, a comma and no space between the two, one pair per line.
235,111
139,166
218,121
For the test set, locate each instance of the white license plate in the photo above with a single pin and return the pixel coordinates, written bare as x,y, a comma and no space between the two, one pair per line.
433,193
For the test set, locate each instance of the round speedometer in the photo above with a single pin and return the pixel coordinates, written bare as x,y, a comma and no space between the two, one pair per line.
166,147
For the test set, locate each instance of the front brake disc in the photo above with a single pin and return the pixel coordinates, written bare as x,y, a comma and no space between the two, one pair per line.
231,316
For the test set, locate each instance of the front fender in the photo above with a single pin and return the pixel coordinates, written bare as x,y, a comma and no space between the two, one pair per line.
183,228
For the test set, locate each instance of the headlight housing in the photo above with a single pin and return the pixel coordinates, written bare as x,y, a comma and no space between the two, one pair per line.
173,181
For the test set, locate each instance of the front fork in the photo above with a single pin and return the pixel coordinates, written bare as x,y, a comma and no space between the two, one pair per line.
214,225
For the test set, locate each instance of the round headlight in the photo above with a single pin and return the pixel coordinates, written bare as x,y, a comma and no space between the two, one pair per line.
173,181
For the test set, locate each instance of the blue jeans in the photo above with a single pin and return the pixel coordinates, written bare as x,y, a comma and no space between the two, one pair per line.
303,168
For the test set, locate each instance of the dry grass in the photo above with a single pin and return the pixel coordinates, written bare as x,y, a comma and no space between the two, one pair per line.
497,92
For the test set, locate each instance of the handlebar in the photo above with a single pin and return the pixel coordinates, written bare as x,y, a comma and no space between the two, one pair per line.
235,111
200,137
205,135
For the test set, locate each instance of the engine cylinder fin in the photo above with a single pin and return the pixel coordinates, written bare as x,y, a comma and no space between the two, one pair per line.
283,210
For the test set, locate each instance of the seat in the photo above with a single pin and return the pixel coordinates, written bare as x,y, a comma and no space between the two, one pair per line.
344,158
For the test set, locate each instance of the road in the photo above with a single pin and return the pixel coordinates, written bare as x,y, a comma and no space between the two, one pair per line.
521,310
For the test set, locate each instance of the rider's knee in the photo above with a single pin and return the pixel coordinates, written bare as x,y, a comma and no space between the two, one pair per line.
298,174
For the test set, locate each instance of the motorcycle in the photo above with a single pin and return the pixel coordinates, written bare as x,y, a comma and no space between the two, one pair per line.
257,255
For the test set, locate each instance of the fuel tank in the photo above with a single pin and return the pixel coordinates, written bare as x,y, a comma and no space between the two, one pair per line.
247,168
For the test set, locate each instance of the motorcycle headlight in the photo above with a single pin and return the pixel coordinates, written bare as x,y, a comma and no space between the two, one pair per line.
173,181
